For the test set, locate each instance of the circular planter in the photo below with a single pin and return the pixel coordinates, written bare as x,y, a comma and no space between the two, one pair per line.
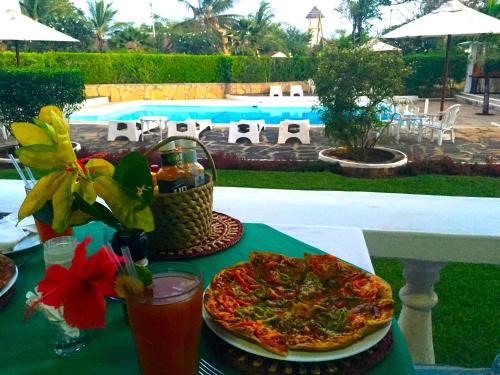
387,163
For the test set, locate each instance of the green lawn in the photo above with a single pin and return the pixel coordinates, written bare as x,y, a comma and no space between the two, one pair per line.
466,321
423,184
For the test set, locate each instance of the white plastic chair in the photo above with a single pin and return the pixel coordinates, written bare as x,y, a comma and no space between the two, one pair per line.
441,123
296,90
186,128
275,91
312,86
3,129
294,129
249,129
129,129
152,122
202,125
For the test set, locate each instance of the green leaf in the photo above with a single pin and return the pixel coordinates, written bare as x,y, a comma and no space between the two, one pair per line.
39,156
41,193
61,203
97,211
79,218
100,167
29,134
126,207
144,274
47,112
133,174
86,190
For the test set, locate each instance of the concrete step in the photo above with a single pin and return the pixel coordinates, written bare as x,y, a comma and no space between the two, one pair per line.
477,101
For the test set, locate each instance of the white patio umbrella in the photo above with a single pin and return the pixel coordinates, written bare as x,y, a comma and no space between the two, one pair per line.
379,46
17,27
451,18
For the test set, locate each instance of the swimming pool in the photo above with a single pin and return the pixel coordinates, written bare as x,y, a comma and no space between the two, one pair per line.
218,114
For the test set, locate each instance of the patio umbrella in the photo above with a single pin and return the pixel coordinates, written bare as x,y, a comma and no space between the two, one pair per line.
379,46
17,27
451,18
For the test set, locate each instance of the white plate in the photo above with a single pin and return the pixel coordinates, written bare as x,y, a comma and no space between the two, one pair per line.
295,355
9,284
27,242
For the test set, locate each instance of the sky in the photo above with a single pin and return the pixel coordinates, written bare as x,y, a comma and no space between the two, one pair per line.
292,12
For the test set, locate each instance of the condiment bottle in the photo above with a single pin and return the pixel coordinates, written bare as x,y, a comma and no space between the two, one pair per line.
170,178
154,170
194,171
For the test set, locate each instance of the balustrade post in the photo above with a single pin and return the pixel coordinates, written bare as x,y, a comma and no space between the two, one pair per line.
418,298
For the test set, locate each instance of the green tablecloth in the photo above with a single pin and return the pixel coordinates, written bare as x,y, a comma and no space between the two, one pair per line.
25,346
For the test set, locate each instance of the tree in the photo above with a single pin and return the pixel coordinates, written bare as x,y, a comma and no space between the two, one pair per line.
35,9
126,35
209,15
101,15
492,8
250,34
360,12
351,84
296,42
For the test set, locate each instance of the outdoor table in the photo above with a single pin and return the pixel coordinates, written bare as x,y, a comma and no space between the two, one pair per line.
412,119
26,348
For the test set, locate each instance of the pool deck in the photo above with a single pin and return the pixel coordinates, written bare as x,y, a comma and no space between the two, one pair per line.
477,138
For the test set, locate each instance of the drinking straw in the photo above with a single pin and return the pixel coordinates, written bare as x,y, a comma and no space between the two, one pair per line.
30,174
18,169
129,263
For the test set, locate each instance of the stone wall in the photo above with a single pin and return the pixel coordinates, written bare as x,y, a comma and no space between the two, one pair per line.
183,91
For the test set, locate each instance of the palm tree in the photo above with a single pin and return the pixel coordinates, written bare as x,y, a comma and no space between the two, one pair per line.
209,15
251,34
101,15
35,9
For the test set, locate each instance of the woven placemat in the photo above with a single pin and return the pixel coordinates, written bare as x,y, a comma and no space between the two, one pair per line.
252,364
226,231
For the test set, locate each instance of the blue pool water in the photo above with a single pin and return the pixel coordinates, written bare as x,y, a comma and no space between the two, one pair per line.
218,114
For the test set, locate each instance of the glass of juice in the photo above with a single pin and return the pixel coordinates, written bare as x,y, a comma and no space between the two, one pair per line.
166,322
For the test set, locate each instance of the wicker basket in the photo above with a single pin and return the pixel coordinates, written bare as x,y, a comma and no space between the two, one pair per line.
183,219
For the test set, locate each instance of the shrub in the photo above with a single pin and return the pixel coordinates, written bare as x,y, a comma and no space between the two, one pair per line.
427,71
351,85
24,91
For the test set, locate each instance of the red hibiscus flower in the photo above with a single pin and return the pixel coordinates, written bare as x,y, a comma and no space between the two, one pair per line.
81,289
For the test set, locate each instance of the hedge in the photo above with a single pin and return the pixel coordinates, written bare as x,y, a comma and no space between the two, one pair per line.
163,68
427,68
492,65
24,91
427,71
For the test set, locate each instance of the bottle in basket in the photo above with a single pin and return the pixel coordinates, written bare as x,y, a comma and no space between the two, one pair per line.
195,173
170,178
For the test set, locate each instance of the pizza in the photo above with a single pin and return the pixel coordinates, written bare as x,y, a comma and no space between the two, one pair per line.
315,303
7,270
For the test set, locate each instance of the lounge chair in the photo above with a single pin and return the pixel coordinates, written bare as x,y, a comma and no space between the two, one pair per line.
132,130
186,128
296,90
441,123
153,122
249,129
202,125
294,129
275,91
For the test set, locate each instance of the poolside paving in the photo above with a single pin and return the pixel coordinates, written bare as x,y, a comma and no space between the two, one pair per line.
471,144
476,140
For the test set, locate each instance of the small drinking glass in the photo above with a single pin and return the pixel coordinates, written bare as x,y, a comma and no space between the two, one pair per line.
59,250
66,340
